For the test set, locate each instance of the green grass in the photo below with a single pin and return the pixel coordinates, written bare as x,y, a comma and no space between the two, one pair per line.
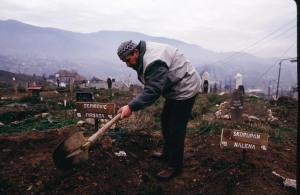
214,99
287,129
6,102
118,133
37,124
10,116
207,127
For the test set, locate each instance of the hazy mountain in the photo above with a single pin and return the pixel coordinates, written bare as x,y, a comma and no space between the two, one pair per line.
30,49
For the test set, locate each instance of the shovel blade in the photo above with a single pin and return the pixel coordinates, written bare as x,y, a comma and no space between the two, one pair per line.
61,155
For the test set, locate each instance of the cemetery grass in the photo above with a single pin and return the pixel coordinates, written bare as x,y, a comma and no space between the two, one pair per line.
26,152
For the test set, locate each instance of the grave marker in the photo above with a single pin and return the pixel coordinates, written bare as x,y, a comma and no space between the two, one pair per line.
244,140
95,110
236,106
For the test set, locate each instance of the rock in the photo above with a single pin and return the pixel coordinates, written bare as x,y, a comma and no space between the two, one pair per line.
50,119
226,116
253,118
90,121
224,105
37,116
15,122
270,112
80,178
29,188
45,114
245,117
218,114
80,123
121,154
1,124
6,150
17,105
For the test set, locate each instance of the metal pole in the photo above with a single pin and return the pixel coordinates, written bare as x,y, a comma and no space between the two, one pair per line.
278,79
298,124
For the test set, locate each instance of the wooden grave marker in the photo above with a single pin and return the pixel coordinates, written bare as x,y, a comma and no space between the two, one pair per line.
244,140
95,110
236,106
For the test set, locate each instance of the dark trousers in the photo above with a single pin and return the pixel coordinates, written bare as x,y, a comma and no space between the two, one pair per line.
174,119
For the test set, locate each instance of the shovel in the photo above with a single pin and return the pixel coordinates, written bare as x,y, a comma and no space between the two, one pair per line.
74,150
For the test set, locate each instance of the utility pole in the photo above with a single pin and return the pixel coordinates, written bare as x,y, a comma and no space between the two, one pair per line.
278,79
280,62
298,123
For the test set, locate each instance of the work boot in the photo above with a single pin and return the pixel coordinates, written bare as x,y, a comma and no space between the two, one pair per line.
167,174
159,156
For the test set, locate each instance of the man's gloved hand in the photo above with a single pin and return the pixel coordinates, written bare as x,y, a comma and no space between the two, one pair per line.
125,112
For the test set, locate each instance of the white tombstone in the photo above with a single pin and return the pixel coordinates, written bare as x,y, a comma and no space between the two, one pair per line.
205,82
205,76
238,80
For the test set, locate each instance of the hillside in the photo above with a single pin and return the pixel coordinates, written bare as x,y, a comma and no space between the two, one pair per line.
39,50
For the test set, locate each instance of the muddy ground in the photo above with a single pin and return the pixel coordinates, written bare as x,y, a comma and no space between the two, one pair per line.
27,168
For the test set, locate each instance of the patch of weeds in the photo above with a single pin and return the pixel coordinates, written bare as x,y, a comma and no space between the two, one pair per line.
286,129
70,105
274,125
201,107
6,102
208,127
122,93
10,116
276,137
51,103
214,99
30,99
37,124
252,98
118,134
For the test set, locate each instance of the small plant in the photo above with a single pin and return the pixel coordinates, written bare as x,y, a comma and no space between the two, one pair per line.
11,116
30,99
276,137
209,127
201,106
38,124
286,129
214,99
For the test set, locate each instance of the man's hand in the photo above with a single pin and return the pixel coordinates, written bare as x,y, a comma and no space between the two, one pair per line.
125,112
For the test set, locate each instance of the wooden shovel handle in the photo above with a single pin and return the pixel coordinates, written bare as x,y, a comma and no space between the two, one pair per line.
101,131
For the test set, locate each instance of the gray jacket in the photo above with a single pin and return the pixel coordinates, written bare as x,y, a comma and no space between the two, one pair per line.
164,71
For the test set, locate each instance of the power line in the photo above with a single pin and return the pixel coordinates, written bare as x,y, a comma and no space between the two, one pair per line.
276,62
281,34
255,43
240,54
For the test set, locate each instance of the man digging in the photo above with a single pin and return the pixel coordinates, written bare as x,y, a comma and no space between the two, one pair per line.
166,72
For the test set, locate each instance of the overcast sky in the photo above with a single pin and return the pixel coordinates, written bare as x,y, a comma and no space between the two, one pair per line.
264,28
